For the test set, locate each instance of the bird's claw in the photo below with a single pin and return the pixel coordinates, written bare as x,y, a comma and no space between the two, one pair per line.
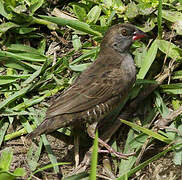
83,165
118,154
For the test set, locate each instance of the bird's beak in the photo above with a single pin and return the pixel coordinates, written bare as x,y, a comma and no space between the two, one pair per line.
138,34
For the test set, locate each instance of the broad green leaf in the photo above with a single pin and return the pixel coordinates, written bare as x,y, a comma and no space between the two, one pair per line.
109,20
23,56
15,96
19,172
17,133
88,54
2,10
177,74
6,175
147,131
6,26
19,9
172,16
178,151
24,30
145,8
172,88
173,91
149,25
9,79
178,158
132,10
33,155
36,4
170,49
3,128
76,42
51,155
37,120
175,17
161,106
103,21
148,60
35,74
93,15
5,162
22,48
78,25
10,112
80,12
178,27
125,166
24,121
11,176
16,64
140,54
118,6
79,67
5,159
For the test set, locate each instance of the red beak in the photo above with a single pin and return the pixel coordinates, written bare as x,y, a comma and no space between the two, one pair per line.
138,35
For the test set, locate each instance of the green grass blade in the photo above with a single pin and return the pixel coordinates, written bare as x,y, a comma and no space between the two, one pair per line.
50,166
142,165
51,155
15,96
93,170
159,19
3,128
147,131
78,25
23,56
148,60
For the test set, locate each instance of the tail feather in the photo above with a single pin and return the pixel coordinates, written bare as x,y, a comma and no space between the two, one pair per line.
32,135
41,129
48,126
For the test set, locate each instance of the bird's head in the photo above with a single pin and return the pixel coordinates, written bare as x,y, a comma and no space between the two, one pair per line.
121,36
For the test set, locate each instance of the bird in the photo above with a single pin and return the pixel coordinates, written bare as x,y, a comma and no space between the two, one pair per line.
100,88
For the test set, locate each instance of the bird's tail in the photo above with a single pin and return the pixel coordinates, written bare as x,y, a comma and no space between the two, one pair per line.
48,126
41,129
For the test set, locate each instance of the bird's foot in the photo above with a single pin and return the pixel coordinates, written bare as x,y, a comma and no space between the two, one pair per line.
83,165
117,154
91,129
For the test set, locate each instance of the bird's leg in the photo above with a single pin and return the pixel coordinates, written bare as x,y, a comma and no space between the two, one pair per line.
84,164
76,134
86,161
76,147
91,132
77,131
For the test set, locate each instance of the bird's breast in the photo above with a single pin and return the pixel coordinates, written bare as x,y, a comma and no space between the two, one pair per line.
128,68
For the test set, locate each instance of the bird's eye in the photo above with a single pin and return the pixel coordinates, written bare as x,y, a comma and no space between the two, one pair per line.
124,32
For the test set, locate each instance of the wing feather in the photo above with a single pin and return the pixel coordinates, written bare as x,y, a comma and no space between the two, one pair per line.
90,89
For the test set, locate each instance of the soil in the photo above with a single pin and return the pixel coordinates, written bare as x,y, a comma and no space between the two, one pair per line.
161,169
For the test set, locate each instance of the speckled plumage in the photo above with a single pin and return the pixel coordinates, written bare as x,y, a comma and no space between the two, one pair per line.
100,88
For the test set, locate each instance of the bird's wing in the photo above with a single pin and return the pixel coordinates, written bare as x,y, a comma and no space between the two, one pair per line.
90,89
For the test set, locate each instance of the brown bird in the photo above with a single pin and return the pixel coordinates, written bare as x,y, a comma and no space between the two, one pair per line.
100,88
